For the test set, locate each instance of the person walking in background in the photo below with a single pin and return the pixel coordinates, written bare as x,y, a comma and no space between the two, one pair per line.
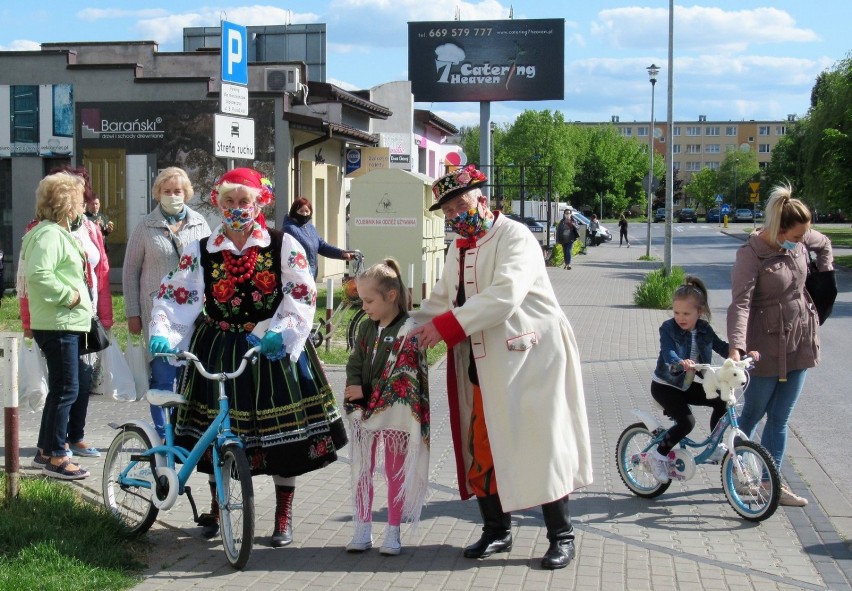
152,251
298,224
89,236
566,235
686,339
242,286
771,311
594,227
622,231
93,212
515,389
53,279
387,403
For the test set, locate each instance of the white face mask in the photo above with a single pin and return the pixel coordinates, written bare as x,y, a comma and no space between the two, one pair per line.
171,204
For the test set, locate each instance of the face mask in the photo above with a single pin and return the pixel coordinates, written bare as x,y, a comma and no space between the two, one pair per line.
469,223
239,219
302,219
787,245
171,204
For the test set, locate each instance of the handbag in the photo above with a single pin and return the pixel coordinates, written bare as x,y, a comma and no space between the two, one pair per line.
95,340
822,288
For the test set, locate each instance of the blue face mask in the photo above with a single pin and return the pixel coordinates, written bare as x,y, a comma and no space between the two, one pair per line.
787,245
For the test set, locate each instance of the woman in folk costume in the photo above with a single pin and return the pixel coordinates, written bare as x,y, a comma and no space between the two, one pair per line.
246,284
387,403
517,408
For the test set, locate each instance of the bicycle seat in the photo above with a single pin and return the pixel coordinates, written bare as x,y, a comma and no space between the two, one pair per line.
164,398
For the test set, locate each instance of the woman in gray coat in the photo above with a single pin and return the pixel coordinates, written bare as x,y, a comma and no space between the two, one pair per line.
771,312
152,252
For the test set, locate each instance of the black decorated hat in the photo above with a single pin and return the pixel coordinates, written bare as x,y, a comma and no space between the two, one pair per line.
455,183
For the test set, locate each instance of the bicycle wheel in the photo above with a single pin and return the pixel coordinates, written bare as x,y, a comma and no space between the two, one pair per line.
634,471
352,330
130,503
236,513
751,482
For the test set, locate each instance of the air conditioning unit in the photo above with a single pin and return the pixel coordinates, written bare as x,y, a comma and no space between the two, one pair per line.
282,79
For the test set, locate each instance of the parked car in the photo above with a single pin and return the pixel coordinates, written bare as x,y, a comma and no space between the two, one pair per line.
712,215
660,215
743,215
602,236
687,215
536,227
758,214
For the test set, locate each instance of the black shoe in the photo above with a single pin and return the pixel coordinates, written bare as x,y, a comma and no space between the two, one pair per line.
209,525
282,538
558,555
488,545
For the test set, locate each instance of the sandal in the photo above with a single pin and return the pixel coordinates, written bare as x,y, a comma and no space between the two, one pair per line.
63,471
83,450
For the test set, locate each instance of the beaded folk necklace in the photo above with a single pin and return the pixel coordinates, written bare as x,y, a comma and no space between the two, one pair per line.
239,269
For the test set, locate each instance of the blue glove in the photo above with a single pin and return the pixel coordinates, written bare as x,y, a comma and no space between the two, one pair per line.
159,345
272,345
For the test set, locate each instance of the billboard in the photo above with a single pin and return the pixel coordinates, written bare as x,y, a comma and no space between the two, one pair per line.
37,120
506,60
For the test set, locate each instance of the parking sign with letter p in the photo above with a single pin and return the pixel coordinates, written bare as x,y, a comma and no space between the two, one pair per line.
234,54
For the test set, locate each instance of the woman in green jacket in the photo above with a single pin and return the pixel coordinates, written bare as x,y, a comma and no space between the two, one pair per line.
60,309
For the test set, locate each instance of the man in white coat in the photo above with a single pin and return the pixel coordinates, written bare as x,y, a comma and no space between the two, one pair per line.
517,409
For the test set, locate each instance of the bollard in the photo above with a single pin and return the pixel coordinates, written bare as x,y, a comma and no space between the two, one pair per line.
9,384
725,220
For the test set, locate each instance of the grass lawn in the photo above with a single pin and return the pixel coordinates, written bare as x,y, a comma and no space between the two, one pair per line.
53,540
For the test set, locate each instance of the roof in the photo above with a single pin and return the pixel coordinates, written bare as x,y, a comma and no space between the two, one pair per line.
330,92
425,117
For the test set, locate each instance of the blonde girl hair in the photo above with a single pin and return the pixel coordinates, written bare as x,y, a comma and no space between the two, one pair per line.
783,212
693,287
55,195
386,277
168,174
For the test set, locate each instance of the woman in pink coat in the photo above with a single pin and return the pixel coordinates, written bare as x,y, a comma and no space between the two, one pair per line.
771,312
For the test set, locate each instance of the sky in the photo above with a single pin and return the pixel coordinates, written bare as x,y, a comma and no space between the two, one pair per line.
733,60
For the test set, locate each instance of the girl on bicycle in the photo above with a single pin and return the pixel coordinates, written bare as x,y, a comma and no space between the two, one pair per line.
685,339
387,402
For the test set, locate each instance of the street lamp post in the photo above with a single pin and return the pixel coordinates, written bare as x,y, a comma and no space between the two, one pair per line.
653,70
736,164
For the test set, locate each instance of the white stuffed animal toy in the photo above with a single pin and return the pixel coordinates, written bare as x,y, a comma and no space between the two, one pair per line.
723,381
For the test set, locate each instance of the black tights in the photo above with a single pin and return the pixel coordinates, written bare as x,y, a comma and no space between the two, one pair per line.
676,403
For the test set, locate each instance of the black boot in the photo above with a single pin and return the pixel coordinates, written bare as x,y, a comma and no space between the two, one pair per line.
560,532
496,529
283,534
209,522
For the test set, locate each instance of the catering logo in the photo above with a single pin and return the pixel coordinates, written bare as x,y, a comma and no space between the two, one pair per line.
453,69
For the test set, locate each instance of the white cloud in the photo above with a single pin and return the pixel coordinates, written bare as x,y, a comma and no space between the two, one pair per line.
418,10
699,26
97,14
21,45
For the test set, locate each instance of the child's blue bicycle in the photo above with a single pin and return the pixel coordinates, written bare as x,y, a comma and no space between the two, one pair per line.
750,478
140,479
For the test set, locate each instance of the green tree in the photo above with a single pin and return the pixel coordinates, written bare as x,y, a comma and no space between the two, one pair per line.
735,173
702,188
786,165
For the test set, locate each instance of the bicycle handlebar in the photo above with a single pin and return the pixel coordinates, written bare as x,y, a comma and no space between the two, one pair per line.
749,361
250,355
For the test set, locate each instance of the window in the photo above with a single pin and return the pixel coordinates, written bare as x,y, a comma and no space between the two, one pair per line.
731,130
676,130
780,130
694,130
626,131
693,148
712,165
711,131
763,130
730,147
676,149
693,166
642,132
763,148
676,165
712,148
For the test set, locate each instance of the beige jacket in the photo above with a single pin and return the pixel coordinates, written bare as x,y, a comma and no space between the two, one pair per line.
770,309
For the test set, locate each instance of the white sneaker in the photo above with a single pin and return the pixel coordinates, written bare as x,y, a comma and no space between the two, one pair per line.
362,539
660,465
790,499
718,454
392,545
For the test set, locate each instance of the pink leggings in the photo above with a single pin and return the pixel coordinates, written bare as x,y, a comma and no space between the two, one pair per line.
394,460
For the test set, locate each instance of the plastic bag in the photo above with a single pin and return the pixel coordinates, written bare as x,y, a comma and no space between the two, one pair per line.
32,376
137,362
117,379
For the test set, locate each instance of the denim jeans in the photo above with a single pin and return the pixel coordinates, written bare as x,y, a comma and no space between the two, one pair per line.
77,415
776,399
163,376
566,251
62,354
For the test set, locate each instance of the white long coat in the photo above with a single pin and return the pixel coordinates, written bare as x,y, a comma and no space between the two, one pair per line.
528,367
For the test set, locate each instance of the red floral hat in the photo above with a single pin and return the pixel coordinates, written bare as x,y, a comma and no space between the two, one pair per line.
247,177
454,184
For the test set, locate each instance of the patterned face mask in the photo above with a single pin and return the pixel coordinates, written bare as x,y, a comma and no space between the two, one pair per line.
469,223
239,218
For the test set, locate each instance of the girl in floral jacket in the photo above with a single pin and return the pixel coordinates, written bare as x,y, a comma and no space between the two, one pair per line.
246,278
387,403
